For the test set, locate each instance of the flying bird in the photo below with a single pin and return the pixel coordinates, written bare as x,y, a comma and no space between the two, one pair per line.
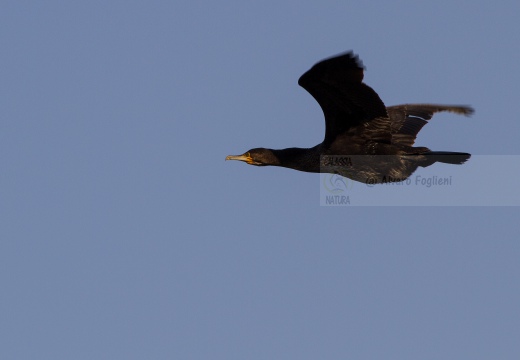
364,140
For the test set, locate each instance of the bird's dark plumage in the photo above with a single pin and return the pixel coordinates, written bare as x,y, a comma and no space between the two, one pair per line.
336,84
379,140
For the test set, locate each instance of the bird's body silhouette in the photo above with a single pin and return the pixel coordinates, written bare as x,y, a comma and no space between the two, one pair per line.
364,140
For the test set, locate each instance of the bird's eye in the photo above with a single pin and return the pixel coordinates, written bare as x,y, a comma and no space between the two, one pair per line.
248,154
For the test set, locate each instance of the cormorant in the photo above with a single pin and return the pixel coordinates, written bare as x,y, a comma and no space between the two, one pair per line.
364,140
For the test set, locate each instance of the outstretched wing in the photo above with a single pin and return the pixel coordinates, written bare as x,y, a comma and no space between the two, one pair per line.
407,120
337,85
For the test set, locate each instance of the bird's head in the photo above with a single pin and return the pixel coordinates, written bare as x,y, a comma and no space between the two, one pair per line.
258,157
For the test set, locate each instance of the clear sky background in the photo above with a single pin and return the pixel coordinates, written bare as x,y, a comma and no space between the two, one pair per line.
125,234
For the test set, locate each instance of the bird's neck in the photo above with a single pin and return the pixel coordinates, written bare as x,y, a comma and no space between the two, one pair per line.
299,159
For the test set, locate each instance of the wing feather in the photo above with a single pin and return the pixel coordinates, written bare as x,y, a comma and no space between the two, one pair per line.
336,84
407,120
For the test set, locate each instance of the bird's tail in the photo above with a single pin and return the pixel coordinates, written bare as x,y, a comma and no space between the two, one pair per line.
446,157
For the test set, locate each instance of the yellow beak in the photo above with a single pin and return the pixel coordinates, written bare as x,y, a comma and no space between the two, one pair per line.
244,157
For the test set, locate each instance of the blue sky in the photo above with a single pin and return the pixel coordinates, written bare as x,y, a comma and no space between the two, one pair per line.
125,234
